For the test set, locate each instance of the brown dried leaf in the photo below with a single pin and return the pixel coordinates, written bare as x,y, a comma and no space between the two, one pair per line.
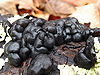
27,4
59,7
55,7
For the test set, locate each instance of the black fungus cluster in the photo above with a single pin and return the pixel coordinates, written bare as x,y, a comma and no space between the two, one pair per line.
37,38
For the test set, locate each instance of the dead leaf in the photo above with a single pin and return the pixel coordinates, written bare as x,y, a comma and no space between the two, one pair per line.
7,7
41,15
59,7
88,14
98,4
80,2
52,17
28,4
55,7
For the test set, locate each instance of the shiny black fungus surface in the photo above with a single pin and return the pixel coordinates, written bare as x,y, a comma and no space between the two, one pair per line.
37,38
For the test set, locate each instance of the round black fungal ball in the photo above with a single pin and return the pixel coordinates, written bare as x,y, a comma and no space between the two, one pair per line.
33,52
79,31
83,62
11,29
73,26
51,29
68,31
39,22
60,23
14,59
58,39
82,26
75,31
91,31
23,22
38,43
28,28
49,41
14,33
59,30
42,50
32,28
19,28
40,65
33,20
67,23
77,37
41,35
34,34
24,53
12,47
73,19
68,38
64,33
85,34
29,38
